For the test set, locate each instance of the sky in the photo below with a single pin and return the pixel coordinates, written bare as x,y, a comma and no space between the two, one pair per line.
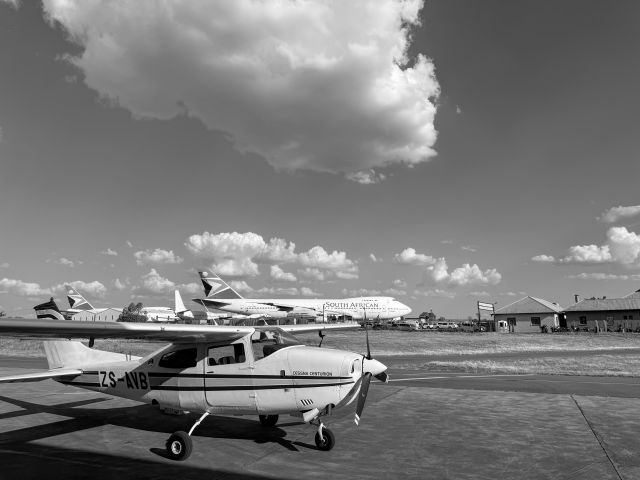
442,153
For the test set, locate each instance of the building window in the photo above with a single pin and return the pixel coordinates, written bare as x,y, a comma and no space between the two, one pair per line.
627,317
535,321
583,320
610,321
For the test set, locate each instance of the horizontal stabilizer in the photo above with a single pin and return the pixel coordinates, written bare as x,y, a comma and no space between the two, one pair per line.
38,376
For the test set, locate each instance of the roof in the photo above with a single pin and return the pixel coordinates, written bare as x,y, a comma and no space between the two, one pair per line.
604,304
635,294
529,305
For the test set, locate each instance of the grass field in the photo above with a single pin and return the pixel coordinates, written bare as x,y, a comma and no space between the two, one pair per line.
425,347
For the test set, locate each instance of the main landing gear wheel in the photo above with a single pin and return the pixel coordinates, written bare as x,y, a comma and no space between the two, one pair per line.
327,441
179,446
268,420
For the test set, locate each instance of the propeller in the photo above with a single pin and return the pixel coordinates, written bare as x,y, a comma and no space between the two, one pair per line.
370,368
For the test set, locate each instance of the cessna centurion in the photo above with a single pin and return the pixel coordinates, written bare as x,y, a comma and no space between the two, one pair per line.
221,296
207,370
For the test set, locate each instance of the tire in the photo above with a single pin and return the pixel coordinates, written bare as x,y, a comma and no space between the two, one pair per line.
327,442
179,446
268,420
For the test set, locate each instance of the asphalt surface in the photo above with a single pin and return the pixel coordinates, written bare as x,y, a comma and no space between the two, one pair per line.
423,424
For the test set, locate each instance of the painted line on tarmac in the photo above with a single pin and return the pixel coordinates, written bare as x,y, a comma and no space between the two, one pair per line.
460,376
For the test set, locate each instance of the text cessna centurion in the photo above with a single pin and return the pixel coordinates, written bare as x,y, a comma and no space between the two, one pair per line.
221,296
207,370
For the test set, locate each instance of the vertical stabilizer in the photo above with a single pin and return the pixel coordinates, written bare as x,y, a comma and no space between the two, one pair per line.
48,310
215,287
179,304
76,300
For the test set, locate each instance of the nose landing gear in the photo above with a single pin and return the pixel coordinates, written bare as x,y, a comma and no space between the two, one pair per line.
179,445
325,440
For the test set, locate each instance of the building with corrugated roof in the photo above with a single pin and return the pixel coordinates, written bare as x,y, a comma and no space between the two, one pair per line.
97,315
616,313
528,315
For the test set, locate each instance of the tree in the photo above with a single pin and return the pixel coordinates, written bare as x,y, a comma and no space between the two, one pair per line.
133,313
2,314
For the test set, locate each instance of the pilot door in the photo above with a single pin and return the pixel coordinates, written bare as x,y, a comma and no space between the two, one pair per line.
228,383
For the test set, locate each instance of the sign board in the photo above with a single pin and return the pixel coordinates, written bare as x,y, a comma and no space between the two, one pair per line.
485,306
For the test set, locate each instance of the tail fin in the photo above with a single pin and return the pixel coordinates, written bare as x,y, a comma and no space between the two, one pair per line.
48,310
179,304
76,300
215,287
71,354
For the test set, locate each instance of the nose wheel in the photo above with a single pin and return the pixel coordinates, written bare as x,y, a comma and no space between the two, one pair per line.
179,445
325,440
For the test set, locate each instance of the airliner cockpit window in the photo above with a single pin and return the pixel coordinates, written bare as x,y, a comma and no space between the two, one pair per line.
268,340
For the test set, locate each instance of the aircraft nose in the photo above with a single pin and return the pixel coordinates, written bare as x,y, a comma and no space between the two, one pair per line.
374,367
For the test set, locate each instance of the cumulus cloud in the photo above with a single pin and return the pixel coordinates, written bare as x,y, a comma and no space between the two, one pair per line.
153,283
465,275
119,285
312,273
333,78
366,177
278,274
409,256
618,213
15,4
157,257
374,259
399,283
621,247
109,252
308,292
91,289
65,262
23,289
543,259
394,292
468,248
239,254
361,292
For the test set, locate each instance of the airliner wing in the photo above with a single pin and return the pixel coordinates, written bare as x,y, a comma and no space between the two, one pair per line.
142,331
37,376
208,302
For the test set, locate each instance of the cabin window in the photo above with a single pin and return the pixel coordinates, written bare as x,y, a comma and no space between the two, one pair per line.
268,340
535,321
185,358
226,354
583,320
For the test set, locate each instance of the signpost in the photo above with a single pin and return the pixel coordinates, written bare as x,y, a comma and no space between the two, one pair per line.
486,306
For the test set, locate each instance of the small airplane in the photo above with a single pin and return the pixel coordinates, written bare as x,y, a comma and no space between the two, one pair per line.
263,371
221,296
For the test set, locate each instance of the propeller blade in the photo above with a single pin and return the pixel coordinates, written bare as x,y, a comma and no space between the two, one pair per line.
383,377
362,397
366,331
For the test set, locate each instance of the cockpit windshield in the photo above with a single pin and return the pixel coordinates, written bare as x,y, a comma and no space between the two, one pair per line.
265,341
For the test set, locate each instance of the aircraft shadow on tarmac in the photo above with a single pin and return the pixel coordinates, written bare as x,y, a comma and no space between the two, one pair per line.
139,417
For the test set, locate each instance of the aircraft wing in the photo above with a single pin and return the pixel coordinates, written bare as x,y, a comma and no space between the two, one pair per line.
209,302
312,327
37,376
141,331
